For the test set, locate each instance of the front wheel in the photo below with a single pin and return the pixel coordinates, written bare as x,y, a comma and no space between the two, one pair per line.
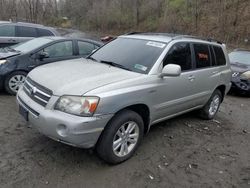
121,137
13,82
211,108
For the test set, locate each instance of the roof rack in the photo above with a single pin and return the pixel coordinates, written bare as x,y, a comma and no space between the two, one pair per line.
176,36
199,38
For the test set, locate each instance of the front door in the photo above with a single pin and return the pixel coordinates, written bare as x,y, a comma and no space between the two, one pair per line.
176,94
56,52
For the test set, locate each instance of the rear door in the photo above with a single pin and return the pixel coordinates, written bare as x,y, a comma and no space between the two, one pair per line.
85,48
7,35
206,77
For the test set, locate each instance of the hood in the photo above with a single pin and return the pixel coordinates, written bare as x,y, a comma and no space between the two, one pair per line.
239,67
78,76
7,54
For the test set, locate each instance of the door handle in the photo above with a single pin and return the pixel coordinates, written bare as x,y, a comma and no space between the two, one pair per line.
191,78
215,72
12,40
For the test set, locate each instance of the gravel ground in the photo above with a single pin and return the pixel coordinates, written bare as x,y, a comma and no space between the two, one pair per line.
182,152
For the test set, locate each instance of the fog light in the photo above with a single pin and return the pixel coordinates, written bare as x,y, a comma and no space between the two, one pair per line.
62,130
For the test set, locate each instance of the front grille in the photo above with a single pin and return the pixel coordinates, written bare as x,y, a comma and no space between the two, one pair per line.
37,92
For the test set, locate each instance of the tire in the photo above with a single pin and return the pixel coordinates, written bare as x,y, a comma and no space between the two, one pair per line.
13,82
105,147
210,110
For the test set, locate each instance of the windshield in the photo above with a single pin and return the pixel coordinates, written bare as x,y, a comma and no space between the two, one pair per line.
240,57
31,44
131,54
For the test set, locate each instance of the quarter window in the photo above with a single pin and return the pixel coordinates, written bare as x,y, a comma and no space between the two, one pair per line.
85,48
220,57
26,31
7,31
60,49
202,56
179,54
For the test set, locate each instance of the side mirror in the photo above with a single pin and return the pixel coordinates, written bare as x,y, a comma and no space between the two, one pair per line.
171,70
42,55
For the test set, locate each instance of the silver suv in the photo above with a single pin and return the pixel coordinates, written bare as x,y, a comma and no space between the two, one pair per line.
112,98
15,32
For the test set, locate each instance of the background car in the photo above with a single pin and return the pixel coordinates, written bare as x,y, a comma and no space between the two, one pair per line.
240,65
18,60
15,32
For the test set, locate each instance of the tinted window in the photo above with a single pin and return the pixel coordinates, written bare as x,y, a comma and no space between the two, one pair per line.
26,31
220,57
44,32
85,48
202,56
60,49
179,54
7,31
134,54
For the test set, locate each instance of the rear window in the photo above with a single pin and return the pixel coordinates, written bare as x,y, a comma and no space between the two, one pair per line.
26,31
7,31
44,32
202,55
220,57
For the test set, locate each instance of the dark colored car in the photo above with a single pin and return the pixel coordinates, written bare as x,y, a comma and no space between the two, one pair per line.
240,65
18,60
12,33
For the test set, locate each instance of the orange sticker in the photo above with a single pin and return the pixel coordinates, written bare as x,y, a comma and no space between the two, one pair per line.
203,56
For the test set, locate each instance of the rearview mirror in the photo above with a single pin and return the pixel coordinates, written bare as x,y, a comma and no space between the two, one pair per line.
171,70
42,55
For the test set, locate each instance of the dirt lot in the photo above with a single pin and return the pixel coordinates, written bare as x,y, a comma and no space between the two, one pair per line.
183,152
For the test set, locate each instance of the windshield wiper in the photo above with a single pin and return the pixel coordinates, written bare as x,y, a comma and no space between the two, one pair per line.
115,65
91,58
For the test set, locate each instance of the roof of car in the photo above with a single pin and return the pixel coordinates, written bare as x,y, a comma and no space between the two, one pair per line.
166,37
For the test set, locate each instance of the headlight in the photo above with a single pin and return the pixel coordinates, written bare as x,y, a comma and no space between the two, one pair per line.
77,105
246,75
235,74
3,61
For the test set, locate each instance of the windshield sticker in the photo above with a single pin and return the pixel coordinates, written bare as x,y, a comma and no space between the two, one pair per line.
156,44
141,67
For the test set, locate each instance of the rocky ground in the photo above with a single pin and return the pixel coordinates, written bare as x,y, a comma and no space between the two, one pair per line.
182,152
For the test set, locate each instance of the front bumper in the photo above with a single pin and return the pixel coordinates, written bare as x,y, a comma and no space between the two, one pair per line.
241,85
69,129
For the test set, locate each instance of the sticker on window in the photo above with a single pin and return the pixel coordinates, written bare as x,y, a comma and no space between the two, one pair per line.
156,44
203,56
141,67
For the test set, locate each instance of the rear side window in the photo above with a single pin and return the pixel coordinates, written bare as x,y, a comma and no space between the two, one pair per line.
220,57
202,56
179,54
7,31
26,31
44,32
85,48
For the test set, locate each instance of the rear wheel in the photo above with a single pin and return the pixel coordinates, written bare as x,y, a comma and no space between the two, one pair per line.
13,82
121,137
211,108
